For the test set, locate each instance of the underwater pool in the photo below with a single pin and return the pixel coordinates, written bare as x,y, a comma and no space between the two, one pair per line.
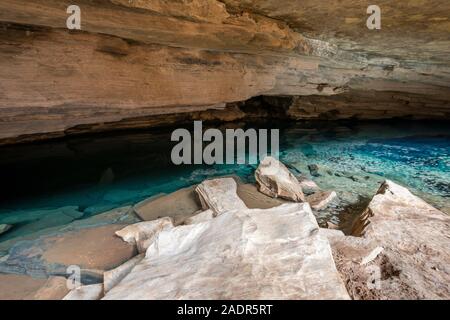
98,173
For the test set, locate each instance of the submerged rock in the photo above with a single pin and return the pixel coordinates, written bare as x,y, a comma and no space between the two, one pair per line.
96,248
4,228
321,199
276,181
244,254
404,251
220,195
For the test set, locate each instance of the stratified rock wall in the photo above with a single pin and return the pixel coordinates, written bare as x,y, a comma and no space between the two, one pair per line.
135,59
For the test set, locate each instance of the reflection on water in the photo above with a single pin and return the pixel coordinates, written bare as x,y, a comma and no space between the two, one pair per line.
98,173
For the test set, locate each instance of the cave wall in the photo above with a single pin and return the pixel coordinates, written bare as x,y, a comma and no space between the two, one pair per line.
136,59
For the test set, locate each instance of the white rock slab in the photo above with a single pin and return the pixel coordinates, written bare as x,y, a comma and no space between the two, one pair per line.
274,253
276,181
220,195
321,199
91,292
114,276
143,233
407,239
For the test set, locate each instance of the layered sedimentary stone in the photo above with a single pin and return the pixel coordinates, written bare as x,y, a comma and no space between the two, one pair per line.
403,252
220,195
245,254
143,234
169,58
276,181
178,205
90,292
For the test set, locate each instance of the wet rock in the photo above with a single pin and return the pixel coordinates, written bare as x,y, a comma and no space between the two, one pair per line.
414,262
321,199
114,276
96,248
4,228
276,181
314,170
308,186
220,195
19,287
55,288
177,205
142,234
244,254
91,292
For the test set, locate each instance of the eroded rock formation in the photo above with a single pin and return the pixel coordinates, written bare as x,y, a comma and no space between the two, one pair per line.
137,59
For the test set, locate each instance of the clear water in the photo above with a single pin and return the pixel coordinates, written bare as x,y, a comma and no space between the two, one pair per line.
103,172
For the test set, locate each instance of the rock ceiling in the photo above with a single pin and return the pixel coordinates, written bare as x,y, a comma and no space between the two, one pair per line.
137,58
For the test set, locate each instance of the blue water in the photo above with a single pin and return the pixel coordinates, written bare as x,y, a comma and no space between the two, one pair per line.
103,172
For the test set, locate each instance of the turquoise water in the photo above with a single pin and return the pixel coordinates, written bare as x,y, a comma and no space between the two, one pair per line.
98,173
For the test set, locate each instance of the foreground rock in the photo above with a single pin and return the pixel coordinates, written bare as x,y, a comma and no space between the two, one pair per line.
244,254
91,292
276,181
405,241
220,195
178,205
321,199
142,234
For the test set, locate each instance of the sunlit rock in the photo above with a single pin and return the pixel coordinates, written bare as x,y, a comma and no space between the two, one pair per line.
274,253
276,181
403,252
114,276
91,292
142,234
220,195
321,199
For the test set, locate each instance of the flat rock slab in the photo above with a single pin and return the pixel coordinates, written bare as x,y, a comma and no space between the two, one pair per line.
254,199
92,248
177,205
220,195
414,262
18,287
246,254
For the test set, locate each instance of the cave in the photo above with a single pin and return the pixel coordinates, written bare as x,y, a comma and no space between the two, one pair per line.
337,117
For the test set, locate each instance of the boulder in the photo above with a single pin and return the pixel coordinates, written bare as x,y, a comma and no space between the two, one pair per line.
177,205
402,239
275,253
4,228
276,181
91,292
321,199
220,195
142,234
